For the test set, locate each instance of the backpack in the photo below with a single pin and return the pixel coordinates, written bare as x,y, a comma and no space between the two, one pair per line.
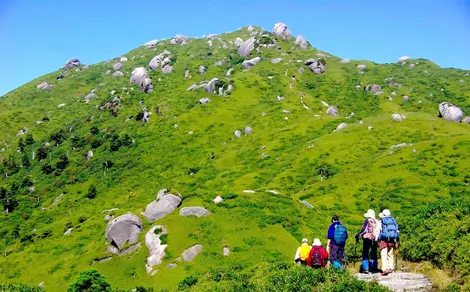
317,259
304,251
389,229
370,229
340,234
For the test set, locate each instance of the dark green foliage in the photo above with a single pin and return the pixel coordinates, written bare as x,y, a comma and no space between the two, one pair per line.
91,192
78,142
94,130
143,289
58,137
187,282
17,287
164,238
95,143
126,140
90,281
63,162
25,160
47,168
440,233
21,145
8,199
42,153
139,116
29,139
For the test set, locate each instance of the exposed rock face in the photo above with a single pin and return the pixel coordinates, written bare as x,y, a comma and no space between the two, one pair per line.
117,66
179,39
212,86
140,77
237,133
161,207
403,59
186,74
125,228
398,117
248,130
45,86
450,112
250,63
250,28
276,60
280,30
167,69
246,47
238,42
202,70
317,67
373,88
466,120
150,44
361,66
399,281
189,254
341,126
204,100
74,62
218,200
89,155
307,204
155,246
301,42
194,211
332,111
118,74
344,61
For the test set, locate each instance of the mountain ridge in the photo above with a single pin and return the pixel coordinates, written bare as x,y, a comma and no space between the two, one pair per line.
192,149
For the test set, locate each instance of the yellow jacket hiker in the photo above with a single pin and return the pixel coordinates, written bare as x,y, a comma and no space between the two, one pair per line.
302,253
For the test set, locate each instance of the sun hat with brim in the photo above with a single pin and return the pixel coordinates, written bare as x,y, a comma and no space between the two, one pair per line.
386,212
316,242
304,240
370,214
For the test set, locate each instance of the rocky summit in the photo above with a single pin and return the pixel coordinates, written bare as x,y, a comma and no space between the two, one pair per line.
192,163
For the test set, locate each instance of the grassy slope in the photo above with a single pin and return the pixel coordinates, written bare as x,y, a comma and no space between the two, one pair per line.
256,226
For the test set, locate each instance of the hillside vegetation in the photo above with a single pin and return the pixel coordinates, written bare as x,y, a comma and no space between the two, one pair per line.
291,156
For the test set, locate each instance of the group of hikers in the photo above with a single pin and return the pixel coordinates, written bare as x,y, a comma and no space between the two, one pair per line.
376,234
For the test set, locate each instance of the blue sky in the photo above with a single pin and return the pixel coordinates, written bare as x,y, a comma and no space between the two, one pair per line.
38,36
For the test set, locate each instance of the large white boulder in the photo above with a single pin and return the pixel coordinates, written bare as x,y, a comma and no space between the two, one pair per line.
125,228
450,112
161,207
280,30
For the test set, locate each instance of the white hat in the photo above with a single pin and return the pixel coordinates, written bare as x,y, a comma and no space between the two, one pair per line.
304,240
316,242
386,212
370,214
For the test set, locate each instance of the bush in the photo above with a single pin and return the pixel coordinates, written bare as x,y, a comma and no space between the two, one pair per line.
94,130
90,281
91,192
187,282
95,143
18,287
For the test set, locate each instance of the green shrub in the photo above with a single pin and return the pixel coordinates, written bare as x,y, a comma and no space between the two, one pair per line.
90,281
91,192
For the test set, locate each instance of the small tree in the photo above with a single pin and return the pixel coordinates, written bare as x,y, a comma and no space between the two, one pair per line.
8,200
63,162
26,163
91,192
90,281
126,140
94,130
21,145
29,139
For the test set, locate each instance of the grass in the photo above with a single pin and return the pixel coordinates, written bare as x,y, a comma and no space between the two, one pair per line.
359,170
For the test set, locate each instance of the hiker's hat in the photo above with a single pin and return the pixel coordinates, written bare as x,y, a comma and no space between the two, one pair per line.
370,214
304,240
316,242
386,212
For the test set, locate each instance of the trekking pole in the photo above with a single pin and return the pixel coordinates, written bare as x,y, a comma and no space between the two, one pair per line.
355,255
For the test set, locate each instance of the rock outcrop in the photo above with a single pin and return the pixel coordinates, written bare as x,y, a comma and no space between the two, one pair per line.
161,207
316,66
194,211
301,42
74,62
125,228
250,63
190,253
450,112
140,77
399,282
246,47
332,111
155,246
281,31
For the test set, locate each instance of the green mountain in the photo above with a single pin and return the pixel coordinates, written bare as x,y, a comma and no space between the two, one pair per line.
286,140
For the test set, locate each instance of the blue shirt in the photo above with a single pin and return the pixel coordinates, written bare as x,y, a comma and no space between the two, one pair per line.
331,232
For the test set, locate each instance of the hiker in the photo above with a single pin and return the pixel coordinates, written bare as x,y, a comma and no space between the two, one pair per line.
302,253
337,236
318,255
388,234
369,235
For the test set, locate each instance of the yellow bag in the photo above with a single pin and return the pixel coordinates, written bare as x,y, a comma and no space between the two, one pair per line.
304,252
